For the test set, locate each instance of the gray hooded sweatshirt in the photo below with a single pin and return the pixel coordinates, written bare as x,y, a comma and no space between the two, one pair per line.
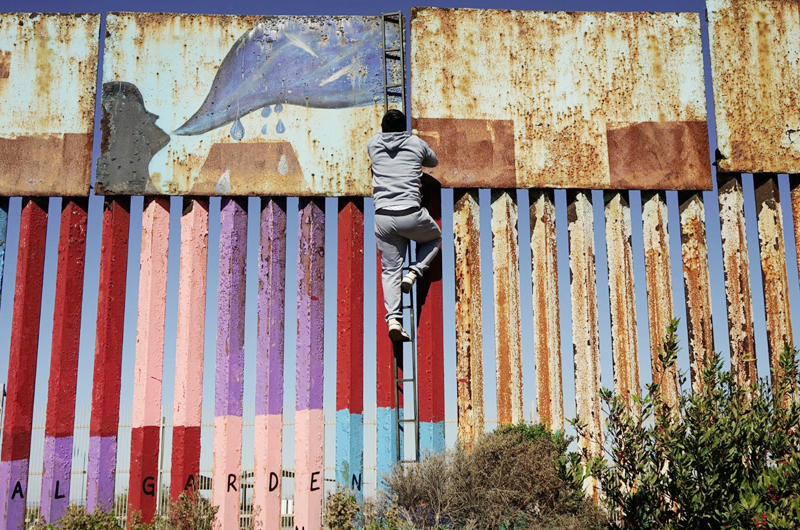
397,161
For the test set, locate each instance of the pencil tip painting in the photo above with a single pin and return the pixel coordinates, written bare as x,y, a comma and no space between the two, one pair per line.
303,91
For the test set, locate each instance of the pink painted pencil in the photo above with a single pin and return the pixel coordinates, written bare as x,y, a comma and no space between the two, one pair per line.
269,365
149,359
229,377
308,481
188,403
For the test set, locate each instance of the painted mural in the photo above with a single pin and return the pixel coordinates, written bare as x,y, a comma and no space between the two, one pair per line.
561,100
226,105
48,71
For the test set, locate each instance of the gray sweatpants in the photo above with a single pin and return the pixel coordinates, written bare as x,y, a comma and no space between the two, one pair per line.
392,235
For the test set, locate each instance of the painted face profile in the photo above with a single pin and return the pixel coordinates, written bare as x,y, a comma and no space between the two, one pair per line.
130,140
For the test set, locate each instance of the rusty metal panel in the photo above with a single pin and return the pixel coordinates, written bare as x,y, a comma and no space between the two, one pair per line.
48,72
585,336
240,105
469,323
622,297
736,263
505,265
755,65
523,99
773,268
660,309
546,325
694,251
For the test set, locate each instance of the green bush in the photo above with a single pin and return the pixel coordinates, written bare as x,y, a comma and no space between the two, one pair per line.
518,477
341,510
727,457
190,512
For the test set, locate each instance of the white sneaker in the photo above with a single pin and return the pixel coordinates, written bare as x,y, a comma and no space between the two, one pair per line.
408,281
396,331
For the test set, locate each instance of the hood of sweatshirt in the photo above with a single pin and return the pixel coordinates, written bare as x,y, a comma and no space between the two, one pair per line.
393,141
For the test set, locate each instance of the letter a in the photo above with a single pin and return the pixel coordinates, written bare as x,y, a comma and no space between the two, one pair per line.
17,489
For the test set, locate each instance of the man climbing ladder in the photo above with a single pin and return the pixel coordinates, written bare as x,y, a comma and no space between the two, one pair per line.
397,159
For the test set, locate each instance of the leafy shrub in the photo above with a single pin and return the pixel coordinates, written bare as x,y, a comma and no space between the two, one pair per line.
727,457
190,512
341,510
518,477
76,518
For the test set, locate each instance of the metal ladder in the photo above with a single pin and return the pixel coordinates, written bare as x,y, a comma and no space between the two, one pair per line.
393,50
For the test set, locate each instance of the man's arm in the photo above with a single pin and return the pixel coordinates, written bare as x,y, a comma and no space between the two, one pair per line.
428,156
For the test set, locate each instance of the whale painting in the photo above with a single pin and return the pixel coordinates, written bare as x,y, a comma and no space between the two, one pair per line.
278,105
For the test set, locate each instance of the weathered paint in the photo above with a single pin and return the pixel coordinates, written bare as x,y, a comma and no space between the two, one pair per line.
62,385
660,309
469,323
794,186
350,347
505,265
102,458
146,418
269,363
48,72
188,402
697,286
229,376
736,264
385,353
755,63
585,337
773,268
546,325
522,99
3,229
22,363
622,298
430,338
309,428
291,119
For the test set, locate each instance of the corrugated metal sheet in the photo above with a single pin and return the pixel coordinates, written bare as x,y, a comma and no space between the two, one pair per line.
773,268
546,325
48,73
622,297
755,63
736,263
566,100
469,323
694,250
239,105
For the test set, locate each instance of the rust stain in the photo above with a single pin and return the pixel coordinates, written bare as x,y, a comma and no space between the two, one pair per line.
472,153
45,165
737,277
620,68
469,326
585,340
660,308
546,326
505,264
773,268
694,250
658,156
622,297
5,64
757,87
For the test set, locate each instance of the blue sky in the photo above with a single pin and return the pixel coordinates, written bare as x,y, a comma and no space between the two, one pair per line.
375,8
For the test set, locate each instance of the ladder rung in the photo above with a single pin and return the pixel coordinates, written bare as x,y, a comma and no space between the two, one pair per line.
412,420
404,380
391,50
409,461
